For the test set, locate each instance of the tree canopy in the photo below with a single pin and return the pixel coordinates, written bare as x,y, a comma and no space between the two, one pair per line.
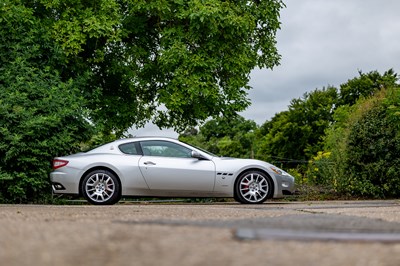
296,134
365,85
174,62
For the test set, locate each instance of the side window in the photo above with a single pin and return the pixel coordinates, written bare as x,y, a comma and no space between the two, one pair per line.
128,148
165,149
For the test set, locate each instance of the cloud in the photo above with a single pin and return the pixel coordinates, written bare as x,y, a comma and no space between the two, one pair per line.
325,43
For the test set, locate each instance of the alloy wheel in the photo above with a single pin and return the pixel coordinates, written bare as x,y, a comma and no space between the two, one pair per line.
253,187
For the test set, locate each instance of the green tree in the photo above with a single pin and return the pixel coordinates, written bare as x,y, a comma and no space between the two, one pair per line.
296,134
41,115
365,85
173,62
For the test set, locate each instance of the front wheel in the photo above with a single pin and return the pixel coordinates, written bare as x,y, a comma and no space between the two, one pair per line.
101,187
253,187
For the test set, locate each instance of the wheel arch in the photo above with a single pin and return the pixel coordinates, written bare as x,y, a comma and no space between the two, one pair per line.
98,168
273,181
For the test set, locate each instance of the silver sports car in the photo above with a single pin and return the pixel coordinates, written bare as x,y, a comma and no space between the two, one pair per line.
164,167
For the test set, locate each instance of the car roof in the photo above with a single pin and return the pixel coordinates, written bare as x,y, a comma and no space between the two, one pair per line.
124,140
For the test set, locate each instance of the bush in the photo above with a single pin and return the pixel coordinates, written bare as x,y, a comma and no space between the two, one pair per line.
40,118
319,168
365,148
41,114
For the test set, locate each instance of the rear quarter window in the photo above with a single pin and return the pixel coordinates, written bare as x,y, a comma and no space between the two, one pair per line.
128,148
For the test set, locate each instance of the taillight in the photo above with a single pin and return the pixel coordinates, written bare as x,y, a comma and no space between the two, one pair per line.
57,163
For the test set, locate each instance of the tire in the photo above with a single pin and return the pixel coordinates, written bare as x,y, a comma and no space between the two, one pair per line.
253,187
235,197
101,187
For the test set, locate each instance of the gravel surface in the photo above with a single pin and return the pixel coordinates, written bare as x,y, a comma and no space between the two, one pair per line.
194,234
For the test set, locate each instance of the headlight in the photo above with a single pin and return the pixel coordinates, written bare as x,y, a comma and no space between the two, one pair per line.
278,171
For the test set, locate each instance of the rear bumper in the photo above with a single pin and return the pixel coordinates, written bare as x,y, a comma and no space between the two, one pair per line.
64,183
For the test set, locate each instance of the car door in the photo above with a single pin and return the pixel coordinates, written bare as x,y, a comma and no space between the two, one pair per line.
169,166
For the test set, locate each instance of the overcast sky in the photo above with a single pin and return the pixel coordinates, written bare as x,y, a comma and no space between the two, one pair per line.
322,43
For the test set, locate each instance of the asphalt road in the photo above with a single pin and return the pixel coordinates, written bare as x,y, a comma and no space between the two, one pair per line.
275,233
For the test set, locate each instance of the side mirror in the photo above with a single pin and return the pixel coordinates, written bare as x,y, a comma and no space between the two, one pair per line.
198,155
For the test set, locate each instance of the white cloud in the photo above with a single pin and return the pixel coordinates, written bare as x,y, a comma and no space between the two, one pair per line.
152,130
325,43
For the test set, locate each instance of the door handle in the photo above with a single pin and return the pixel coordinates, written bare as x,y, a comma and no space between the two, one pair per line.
149,163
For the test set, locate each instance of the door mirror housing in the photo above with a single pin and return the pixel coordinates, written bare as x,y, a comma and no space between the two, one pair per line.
197,155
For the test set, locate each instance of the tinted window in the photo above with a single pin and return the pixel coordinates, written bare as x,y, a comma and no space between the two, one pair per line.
165,149
128,148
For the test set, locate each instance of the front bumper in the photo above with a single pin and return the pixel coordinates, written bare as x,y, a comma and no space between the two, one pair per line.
285,185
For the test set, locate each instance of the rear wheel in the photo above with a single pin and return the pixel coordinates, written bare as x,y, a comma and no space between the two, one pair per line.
101,187
253,187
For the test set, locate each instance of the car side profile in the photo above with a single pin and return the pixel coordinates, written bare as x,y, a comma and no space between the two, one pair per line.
165,167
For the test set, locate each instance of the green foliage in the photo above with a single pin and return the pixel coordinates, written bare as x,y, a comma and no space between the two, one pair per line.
319,168
365,85
41,115
366,147
193,57
297,133
362,141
